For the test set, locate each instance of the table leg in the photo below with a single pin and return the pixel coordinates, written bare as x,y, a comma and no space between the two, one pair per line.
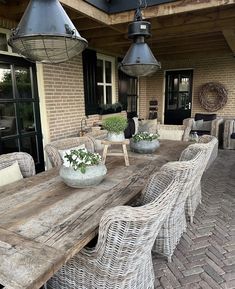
105,153
125,155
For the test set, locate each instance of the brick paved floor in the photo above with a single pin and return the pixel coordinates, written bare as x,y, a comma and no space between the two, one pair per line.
205,256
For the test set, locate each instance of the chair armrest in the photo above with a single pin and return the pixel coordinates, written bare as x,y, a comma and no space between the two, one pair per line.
216,127
188,122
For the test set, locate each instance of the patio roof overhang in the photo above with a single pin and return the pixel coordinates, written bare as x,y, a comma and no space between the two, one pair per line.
178,27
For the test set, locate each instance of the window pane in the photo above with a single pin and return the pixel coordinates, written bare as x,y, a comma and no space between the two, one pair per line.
5,81
9,146
108,94
184,83
3,42
100,70
29,145
26,115
100,94
7,119
108,71
23,83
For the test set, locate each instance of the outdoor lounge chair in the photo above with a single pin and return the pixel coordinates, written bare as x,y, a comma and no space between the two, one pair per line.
209,145
52,149
229,134
25,161
209,124
122,257
175,224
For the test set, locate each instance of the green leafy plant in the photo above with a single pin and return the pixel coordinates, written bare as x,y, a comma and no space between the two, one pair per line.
145,136
115,124
80,159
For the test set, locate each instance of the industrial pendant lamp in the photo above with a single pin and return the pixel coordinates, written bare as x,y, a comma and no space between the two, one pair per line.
46,34
139,60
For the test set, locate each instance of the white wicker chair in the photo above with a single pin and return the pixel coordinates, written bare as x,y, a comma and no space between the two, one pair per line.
209,145
122,257
25,161
52,149
175,224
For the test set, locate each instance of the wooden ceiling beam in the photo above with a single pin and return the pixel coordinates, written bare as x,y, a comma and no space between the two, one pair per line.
87,9
229,35
172,8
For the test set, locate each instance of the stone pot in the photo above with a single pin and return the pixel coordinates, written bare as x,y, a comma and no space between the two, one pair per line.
144,146
115,137
92,177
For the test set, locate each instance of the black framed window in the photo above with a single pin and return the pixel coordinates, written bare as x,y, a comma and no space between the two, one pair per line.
20,128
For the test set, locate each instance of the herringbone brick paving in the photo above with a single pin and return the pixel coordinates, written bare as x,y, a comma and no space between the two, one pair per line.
205,255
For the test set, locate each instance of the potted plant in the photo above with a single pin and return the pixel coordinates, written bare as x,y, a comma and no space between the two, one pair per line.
82,168
115,125
144,142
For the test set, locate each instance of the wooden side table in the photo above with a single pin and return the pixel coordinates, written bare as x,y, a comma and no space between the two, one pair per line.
123,143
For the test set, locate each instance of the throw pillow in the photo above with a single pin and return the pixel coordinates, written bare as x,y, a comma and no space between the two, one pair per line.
206,126
149,126
130,130
197,124
205,116
67,151
10,174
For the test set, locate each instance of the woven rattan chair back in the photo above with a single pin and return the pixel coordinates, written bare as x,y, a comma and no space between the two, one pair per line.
209,145
212,147
52,149
122,256
175,223
25,161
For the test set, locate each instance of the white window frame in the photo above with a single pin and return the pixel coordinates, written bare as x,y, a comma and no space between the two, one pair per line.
104,84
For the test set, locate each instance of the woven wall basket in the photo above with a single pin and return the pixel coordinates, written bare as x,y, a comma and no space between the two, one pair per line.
213,96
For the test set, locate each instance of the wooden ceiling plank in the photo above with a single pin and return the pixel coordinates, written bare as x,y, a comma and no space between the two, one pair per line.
229,35
171,8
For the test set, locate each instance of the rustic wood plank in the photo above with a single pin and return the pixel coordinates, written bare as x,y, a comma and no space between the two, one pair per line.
43,222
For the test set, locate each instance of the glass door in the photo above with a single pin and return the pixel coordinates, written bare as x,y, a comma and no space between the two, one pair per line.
178,96
20,128
128,93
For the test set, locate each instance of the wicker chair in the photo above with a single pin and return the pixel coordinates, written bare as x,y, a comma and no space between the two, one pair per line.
122,257
53,148
209,145
175,224
229,132
25,161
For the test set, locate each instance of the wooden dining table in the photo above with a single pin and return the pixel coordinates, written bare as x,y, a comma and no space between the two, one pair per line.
43,222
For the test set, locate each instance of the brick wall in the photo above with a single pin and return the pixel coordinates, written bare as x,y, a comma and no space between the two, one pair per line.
64,98
206,67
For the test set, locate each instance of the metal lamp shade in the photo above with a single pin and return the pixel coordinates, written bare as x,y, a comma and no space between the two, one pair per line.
46,34
139,60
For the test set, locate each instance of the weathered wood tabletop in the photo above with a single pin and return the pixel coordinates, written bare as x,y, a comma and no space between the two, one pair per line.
43,222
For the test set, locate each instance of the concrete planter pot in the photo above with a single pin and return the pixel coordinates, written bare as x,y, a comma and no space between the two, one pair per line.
115,137
92,177
144,147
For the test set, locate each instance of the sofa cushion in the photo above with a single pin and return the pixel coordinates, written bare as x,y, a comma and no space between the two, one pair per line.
10,174
197,124
205,116
149,126
130,130
206,125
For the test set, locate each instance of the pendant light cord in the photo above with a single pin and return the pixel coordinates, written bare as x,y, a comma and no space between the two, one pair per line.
138,12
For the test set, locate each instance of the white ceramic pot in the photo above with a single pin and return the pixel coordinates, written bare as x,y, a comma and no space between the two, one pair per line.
144,146
92,177
115,137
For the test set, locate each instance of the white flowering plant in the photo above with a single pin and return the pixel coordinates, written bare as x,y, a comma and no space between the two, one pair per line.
80,159
145,136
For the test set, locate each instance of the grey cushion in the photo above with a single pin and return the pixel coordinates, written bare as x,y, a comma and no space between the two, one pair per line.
197,124
149,126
